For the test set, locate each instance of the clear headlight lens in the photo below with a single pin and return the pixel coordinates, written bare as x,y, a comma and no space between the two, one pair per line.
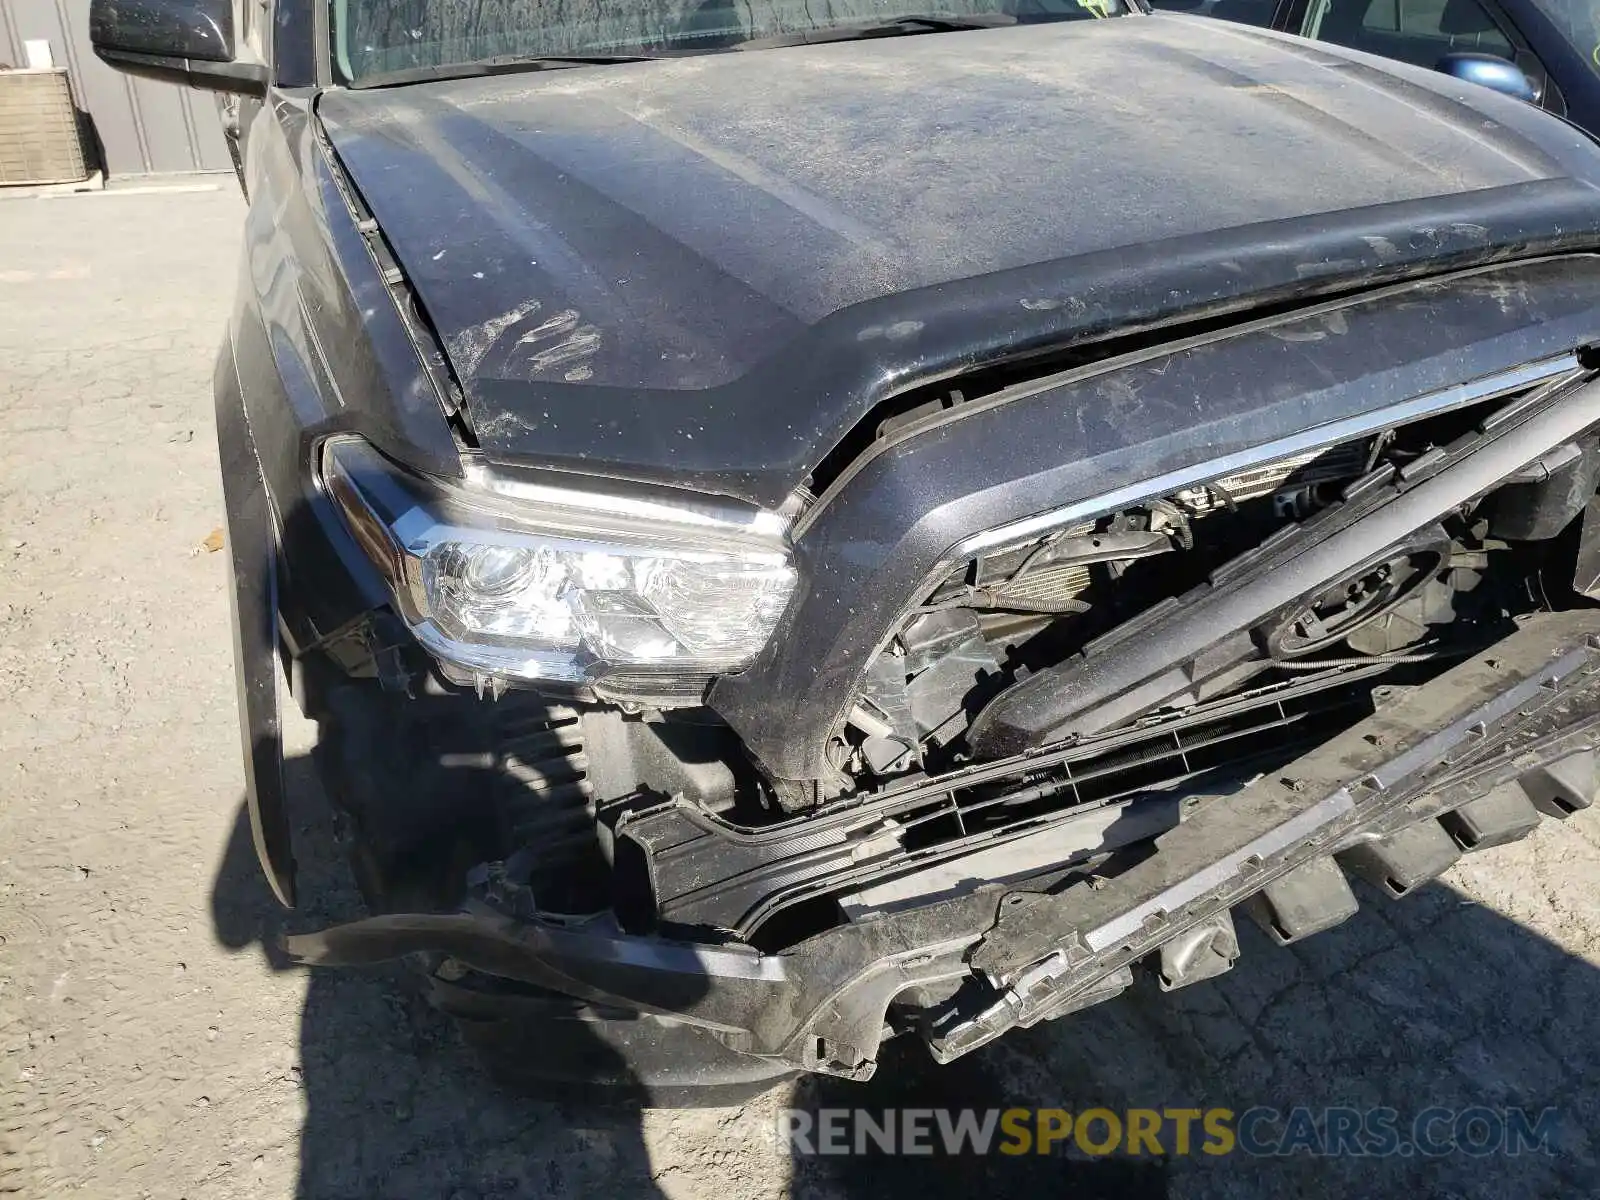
534,582
499,592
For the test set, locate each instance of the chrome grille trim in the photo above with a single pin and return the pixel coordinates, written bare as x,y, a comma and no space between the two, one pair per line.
1430,404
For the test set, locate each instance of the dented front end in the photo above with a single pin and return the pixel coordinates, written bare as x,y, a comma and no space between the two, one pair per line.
1103,676
759,608
1477,755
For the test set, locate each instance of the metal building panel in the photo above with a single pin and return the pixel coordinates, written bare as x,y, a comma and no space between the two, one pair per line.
141,127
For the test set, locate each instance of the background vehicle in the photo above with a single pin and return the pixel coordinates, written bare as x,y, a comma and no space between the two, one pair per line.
770,575
1554,45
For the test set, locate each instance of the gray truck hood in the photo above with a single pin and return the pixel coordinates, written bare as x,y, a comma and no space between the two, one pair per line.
709,268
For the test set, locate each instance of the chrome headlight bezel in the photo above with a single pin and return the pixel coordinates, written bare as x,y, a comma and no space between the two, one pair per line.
636,595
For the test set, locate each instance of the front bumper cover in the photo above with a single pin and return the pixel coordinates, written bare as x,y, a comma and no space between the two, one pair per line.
1528,708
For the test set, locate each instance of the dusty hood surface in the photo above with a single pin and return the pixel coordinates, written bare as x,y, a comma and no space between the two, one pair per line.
714,265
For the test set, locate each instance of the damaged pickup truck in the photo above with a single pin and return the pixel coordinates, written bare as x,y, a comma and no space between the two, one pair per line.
802,530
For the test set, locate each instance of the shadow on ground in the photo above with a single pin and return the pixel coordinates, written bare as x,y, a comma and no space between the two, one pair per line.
1431,1001
395,1105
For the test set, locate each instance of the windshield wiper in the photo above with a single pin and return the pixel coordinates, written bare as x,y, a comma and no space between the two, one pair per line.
505,64
893,27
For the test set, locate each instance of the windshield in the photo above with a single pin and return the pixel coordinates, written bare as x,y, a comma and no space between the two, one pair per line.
376,37
1579,23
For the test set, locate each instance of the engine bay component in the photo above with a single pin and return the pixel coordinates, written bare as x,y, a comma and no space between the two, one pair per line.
1372,591
704,870
1175,647
955,652
1292,483
1548,493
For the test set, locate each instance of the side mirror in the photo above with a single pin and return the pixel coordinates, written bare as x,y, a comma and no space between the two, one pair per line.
1491,71
178,41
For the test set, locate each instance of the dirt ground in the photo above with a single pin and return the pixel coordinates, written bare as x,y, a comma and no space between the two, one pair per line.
150,1047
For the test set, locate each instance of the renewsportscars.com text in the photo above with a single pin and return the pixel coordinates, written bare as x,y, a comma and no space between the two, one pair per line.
1258,1131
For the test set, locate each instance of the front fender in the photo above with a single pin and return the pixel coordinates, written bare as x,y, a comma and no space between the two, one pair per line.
252,557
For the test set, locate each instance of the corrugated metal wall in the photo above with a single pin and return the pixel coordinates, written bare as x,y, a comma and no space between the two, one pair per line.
143,127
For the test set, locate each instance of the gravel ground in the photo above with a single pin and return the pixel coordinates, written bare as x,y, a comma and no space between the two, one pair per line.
150,1046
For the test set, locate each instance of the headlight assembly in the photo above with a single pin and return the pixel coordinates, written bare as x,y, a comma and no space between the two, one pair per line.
529,582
